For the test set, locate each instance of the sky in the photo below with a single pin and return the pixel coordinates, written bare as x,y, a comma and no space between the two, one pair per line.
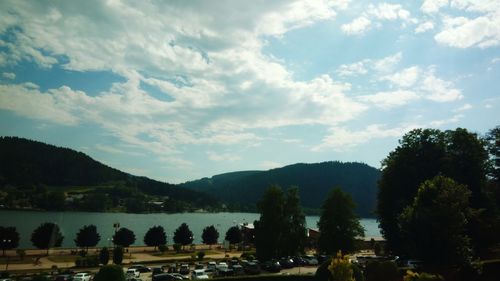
180,90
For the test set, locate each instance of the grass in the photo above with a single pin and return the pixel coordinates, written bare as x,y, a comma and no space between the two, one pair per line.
182,254
15,260
62,258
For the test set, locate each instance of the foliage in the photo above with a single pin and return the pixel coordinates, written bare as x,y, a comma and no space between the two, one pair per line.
104,256
46,236
340,268
338,224
87,237
200,255
9,238
382,271
422,276
162,248
177,247
434,224
124,237
135,205
110,273
210,235
155,237
183,235
244,189
280,230
118,255
88,261
234,235
21,253
421,155
40,278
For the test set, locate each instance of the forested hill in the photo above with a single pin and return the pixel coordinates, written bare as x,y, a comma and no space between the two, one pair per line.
27,164
314,181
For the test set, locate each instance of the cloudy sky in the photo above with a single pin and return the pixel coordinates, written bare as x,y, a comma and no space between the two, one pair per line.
178,90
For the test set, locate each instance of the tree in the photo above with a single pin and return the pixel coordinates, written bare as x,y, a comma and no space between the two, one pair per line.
104,256
46,236
183,235
155,237
110,273
294,236
234,235
268,229
434,225
124,237
9,238
87,237
338,224
118,255
421,155
210,235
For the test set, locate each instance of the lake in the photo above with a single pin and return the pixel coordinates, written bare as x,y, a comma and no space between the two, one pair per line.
71,222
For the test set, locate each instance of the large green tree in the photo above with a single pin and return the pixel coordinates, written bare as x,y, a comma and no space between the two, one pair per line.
183,235
46,236
234,235
338,224
421,155
281,230
110,273
434,225
9,238
87,237
124,237
155,237
210,235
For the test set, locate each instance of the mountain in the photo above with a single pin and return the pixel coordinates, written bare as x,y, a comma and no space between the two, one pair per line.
26,164
245,188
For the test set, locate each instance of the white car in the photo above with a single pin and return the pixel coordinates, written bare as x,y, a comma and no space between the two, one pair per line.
222,265
82,276
199,274
132,272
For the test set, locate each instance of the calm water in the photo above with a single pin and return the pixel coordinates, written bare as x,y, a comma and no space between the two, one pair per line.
71,222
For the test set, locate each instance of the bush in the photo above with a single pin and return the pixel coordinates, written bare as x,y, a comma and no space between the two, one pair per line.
177,247
104,256
201,255
40,278
382,271
88,261
423,276
162,248
110,273
248,255
118,255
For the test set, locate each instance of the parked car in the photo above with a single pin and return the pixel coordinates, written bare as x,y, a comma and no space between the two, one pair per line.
251,268
82,276
64,277
238,269
286,263
184,270
199,266
298,261
156,270
164,277
272,266
311,260
199,274
132,272
211,266
221,265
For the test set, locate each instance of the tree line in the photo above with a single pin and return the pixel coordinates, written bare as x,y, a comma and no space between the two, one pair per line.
48,235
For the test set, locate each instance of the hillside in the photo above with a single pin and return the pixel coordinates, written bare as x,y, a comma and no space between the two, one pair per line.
244,189
30,167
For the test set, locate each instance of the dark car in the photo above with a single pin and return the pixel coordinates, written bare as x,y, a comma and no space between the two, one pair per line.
156,270
298,261
272,266
238,269
286,263
64,277
251,268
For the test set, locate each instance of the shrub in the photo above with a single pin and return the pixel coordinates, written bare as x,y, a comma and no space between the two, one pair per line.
177,247
162,248
104,256
40,278
88,261
248,255
382,271
118,255
423,276
201,255
110,273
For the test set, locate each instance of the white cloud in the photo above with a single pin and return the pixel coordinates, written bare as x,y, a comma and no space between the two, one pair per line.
387,100
453,119
439,90
433,6
357,26
461,32
405,78
387,64
382,65
386,11
425,26
352,69
9,75
222,157
342,139
465,107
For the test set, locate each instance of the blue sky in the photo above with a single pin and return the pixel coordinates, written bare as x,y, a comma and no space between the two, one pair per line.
178,90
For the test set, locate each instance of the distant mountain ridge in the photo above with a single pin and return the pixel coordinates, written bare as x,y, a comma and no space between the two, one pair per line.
29,163
245,188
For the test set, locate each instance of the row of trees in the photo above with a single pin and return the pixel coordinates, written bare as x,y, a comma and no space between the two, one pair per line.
48,235
438,197
281,229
